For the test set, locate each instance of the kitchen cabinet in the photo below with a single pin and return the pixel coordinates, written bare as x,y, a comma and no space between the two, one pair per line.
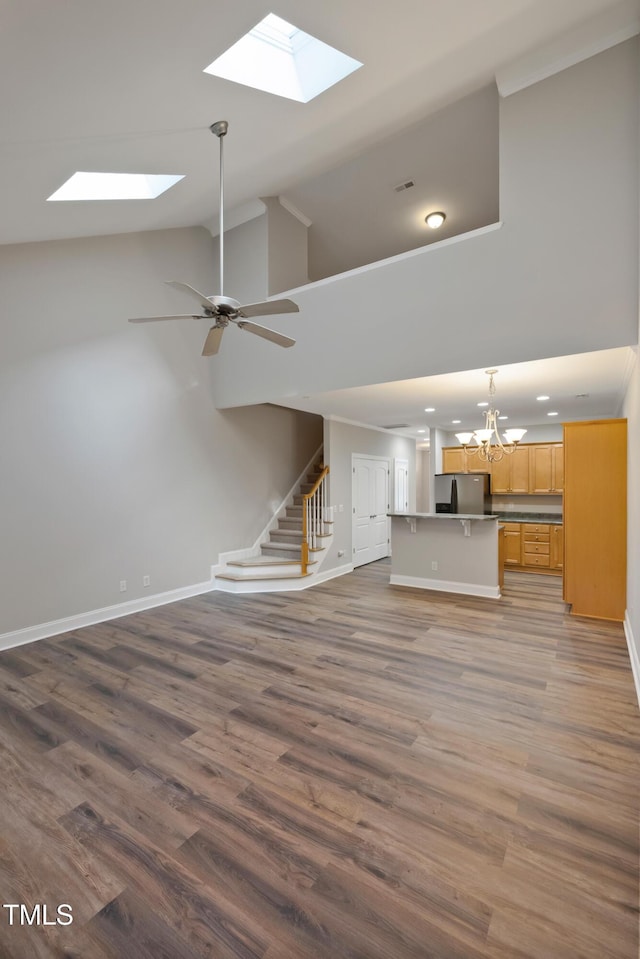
533,468
546,468
455,459
512,544
536,545
533,547
511,473
595,518
556,557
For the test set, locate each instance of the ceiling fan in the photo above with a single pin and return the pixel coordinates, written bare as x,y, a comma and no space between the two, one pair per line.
223,309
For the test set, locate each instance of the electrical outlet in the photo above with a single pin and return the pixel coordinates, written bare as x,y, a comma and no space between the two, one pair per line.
123,585
340,552
434,565
146,581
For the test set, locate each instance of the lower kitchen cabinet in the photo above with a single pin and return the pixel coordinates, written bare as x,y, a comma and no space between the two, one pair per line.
557,547
512,544
533,546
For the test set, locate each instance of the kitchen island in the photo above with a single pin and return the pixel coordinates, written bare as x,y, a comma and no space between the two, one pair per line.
450,552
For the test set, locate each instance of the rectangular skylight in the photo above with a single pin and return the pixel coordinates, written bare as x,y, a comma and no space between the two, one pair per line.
279,58
114,186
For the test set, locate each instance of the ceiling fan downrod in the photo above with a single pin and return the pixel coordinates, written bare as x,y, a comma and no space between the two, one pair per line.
219,128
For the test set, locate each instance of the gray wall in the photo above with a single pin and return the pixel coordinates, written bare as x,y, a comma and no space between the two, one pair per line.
115,464
245,262
287,248
341,441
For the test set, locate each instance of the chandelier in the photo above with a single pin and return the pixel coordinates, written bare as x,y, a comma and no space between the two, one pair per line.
489,445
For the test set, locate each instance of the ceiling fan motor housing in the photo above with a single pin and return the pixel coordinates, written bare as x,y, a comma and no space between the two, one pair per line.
225,305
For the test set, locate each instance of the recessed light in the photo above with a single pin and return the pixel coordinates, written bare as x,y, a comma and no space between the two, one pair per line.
422,431
435,220
552,414
542,398
114,186
429,409
503,417
482,404
279,58
456,421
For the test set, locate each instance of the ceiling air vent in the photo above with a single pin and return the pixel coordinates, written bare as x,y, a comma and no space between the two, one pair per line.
403,186
395,426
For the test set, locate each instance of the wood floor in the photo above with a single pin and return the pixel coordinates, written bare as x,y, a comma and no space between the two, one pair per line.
356,770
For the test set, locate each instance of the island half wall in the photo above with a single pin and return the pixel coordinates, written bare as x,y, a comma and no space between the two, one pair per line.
450,552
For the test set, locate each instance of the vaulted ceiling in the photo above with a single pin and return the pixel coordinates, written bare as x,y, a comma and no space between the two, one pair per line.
119,86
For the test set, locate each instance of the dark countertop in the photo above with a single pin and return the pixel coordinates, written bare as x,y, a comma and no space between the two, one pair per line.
513,516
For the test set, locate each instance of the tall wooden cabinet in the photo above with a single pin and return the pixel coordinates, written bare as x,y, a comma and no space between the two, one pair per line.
595,518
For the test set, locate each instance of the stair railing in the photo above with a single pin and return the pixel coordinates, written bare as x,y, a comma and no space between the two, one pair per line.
313,517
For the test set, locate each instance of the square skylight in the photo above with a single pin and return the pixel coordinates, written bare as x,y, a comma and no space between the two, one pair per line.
114,186
278,58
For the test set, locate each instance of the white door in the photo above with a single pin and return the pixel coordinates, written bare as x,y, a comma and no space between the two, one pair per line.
401,486
370,499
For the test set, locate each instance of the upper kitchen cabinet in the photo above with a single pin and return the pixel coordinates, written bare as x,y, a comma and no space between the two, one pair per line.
455,459
511,473
546,468
595,518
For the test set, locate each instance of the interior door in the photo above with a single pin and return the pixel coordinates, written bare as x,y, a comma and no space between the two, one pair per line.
370,499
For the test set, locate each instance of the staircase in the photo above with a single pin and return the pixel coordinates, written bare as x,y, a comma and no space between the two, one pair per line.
285,558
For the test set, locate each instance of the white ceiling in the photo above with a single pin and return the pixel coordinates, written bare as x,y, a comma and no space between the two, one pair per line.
119,87
603,376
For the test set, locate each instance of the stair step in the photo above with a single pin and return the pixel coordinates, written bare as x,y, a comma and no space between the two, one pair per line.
290,522
281,549
288,550
265,566
261,577
259,561
285,536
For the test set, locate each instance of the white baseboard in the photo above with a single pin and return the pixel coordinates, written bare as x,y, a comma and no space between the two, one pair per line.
634,653
31,634
446,586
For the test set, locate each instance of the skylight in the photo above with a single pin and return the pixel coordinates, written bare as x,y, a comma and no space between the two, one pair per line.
114,186
278,58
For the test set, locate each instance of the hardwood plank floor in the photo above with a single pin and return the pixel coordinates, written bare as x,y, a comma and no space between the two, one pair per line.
356,771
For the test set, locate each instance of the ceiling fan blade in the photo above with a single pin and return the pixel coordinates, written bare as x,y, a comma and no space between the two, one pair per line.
203,300
269,308
267,334
212,342
179,316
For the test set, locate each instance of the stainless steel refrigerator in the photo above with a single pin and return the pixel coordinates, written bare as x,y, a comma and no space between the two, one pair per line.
462,493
